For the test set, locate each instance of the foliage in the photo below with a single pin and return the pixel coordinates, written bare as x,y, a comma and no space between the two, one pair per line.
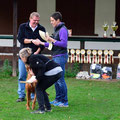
72,71
6,70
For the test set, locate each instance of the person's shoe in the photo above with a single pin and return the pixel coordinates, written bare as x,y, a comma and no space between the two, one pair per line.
60,104
48,110
38,112
20,100
54,102
63,105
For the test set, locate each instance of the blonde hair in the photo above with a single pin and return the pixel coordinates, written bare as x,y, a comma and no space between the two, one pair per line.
25,52
34,14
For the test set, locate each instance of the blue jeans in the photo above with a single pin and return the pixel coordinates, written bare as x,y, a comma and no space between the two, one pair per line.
60,85
22,77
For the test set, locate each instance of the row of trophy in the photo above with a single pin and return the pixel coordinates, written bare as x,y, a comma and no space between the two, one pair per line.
91,56
114,27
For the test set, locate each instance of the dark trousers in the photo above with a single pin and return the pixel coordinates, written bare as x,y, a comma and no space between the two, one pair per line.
43,100
43,83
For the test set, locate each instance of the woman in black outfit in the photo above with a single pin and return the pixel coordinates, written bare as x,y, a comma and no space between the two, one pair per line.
47,72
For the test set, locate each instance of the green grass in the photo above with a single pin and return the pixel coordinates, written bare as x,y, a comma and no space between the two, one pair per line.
88,100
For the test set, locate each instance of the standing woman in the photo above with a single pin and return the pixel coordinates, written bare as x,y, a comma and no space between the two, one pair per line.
60,56
46,71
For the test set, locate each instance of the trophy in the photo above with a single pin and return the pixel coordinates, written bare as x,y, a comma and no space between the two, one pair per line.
72,55
111,57
105,28
88,56
94,52
43,36
82,56
99,56
78,55
106,57
70,32
114,28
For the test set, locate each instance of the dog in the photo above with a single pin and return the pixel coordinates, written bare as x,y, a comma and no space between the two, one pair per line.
30,88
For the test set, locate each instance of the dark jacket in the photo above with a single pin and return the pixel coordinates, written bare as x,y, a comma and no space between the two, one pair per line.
25,31
40,65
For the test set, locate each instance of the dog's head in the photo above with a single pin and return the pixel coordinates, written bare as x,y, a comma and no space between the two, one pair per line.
27,67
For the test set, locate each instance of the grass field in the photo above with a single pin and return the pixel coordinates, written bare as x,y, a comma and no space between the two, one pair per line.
88,100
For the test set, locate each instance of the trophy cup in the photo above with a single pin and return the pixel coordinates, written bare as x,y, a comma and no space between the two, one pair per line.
105,27
111,60
88,56
70,32
72,55
114,28
78,55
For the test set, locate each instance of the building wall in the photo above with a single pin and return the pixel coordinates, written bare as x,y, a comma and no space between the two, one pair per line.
6,13
46,8
104,12
107,13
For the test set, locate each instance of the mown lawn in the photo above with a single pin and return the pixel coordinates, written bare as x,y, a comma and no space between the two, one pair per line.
88,100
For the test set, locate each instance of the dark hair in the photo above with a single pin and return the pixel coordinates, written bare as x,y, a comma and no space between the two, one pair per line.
57,15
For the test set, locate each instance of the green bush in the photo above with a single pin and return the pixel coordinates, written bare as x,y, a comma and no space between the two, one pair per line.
72,71
6,70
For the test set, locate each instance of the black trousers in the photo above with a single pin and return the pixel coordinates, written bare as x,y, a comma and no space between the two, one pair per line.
43,100
44,83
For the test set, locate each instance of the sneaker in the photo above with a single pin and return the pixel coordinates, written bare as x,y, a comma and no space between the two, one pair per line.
60,104
63,105
20,100
38,112
48,110
54,102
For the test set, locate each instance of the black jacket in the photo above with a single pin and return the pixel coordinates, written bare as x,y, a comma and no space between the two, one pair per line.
25,31
40,65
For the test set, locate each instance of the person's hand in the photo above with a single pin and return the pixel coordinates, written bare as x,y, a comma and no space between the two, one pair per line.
37,42
32,79
49,39
35,53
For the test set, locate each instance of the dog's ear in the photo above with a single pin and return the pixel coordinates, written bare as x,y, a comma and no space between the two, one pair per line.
27,67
